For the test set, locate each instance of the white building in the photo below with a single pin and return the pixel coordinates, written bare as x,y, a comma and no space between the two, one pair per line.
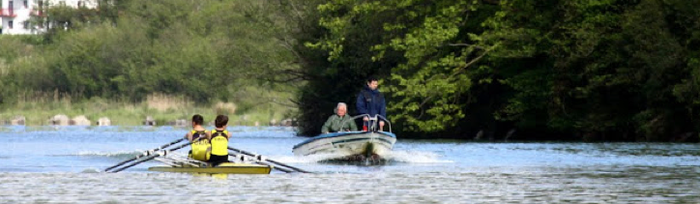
15,14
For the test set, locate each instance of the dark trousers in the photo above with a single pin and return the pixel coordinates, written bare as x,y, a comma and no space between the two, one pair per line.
215,160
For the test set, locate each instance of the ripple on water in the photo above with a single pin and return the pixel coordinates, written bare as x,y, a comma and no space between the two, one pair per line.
560,185
61,168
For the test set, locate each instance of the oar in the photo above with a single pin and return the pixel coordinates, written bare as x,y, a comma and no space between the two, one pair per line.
277,168
162,153
258,157
146,153
264,163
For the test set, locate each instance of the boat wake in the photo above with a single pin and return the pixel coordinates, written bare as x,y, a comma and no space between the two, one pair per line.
122,154
91,170
119,155
391,158
415,157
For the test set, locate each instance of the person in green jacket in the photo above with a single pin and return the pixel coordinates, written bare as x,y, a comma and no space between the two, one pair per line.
340,118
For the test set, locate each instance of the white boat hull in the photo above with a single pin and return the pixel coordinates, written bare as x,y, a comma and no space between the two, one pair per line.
348,144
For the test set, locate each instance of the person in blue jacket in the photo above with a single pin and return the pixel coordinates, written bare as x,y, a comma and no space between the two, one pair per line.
371,101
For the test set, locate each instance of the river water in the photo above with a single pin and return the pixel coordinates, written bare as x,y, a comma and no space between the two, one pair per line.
63,164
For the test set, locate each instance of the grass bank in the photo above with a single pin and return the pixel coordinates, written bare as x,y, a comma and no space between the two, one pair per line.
38,108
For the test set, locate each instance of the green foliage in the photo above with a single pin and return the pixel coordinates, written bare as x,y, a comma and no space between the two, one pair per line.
608,69
423,50
566,70
206,51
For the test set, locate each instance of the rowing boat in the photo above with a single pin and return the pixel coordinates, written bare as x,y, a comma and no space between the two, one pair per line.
187,165
224,168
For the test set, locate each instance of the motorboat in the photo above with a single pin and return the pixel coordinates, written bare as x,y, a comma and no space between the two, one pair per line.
351,145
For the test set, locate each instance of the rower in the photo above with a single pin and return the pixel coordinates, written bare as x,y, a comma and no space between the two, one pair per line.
201,148
219,141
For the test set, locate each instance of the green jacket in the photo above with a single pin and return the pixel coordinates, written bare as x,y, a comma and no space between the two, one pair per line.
333,124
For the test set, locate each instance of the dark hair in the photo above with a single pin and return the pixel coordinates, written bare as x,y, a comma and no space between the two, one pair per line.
370,79
220,121
198,119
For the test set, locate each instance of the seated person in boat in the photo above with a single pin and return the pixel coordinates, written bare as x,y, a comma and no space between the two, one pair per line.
219,141
198,136
339,121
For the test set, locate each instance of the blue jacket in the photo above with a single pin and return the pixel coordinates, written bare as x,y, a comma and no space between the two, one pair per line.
371,102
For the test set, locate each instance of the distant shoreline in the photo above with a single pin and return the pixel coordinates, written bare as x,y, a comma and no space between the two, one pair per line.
163,110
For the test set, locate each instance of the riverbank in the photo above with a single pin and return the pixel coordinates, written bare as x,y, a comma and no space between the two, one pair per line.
162,109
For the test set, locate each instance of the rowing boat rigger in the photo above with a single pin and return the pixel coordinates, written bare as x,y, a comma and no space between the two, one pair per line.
257,163
179,164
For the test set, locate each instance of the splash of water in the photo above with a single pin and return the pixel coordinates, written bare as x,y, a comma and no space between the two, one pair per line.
91,170
119,154
415,157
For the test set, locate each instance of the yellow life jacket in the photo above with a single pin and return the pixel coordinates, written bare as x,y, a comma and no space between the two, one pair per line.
219,142
201,148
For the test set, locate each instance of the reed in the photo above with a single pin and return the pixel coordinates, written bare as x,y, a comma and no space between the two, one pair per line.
4,68
225,108
164,102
